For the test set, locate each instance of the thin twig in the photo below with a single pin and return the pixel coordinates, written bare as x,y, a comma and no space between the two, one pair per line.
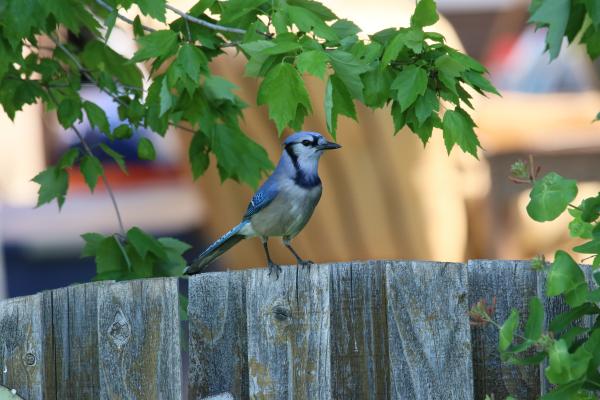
89,152
205,23
107,7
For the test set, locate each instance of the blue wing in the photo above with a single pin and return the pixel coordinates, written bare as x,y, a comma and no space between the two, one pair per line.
265,195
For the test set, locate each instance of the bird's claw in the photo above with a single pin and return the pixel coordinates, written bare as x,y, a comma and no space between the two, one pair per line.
274,268
305,264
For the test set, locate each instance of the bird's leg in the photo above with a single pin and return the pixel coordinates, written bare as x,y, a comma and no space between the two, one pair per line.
272,266
299,260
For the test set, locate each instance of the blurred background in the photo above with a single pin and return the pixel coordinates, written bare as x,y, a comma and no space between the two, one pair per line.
384,196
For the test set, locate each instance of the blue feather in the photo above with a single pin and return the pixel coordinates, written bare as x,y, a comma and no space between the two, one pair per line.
219,247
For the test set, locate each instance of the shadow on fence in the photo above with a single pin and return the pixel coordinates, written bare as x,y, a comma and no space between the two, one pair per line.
361,330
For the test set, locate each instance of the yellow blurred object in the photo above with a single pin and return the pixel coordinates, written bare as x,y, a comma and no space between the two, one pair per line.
384,196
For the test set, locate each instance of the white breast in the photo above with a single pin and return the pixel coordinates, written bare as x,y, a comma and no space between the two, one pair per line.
287,214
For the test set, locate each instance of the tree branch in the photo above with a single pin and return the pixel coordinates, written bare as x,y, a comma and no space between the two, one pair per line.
89,152
107,7
206,24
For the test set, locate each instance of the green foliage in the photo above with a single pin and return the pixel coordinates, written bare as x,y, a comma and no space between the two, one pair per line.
550,197
570,348
138,255
408,70
567,19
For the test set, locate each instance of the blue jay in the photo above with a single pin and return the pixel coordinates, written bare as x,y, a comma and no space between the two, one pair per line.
282,205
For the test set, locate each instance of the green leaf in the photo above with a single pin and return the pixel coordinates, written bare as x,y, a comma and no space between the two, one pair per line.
238,157
507,331
349,69
591,39
192,61
426,105
166,98
96,116
590,208
535,320
122,132
157,44
307,21
410,83
409,38
117,157
198,154
68,159
91,168
144,243
97,56
478,81
284,93
577,227
565,367
550,196
337,101
425,14
146,150
566,277
313,62
449,70
219,88
593,9
458,129
174,263
377,87
398,117
54,183
591,247
92,241
109,257
153,8
69,111
553,14
563,320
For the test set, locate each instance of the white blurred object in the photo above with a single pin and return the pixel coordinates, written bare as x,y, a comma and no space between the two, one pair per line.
3,288
473,6
527,68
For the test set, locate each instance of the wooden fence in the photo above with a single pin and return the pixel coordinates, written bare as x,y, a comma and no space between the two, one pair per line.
362,330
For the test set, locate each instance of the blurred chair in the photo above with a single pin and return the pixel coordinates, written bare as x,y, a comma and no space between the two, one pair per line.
384,196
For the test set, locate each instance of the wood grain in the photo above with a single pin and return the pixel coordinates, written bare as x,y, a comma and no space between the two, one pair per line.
21,346
428,331
218,346
512,284
289,334
74,337
138,339
359,337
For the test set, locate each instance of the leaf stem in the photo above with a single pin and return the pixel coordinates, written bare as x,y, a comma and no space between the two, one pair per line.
204,23
107,7
88,151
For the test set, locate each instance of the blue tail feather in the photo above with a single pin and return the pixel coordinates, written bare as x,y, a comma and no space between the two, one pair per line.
213,251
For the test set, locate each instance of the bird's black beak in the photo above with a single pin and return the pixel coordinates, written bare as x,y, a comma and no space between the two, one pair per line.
328,146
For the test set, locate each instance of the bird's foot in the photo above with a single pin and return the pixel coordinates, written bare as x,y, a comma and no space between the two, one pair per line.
305,263
274,268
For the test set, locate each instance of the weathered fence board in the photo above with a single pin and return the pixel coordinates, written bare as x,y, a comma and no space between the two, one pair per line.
21,345
98,340
430,353
361,330
512,284
72,351
218,338
138,340
359,337
288,334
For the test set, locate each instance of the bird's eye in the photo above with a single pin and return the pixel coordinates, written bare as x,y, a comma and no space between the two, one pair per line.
306,142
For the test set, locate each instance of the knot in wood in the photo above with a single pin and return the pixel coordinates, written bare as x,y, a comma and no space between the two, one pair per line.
29,359
120,330
281,313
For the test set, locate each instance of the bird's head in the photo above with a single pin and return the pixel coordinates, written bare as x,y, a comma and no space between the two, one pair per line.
307,146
